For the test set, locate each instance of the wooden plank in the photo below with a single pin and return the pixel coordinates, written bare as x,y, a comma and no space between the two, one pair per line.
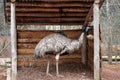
75,4
25,51
27,40
30,60
48,15
49,9
88,16
57,1
50,19
35,35
96,41
82,1
13,42
43,61
32,34
26,46
84,51
49,23
28,51
9,74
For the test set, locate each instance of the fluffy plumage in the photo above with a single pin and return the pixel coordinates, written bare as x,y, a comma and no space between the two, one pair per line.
58,44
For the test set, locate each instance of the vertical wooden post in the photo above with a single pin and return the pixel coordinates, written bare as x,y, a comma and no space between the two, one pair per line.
96,41
84,50
8,74
13,41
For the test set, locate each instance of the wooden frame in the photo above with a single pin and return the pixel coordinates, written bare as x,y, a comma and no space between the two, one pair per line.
84,52
96,40
13,41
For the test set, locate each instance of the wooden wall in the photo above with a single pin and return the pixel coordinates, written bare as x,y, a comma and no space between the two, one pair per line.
28,39
90,49
91,53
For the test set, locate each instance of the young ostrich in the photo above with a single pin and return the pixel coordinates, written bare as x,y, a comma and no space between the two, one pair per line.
57,44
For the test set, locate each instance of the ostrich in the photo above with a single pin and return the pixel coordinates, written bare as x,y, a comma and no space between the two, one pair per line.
58,44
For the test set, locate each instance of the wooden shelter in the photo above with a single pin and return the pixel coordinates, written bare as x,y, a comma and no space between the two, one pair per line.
52,12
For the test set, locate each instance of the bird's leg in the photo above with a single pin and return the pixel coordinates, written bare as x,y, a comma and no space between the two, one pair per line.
57,70
48,66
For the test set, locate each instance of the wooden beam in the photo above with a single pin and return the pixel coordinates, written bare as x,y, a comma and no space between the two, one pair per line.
83,56
91,12
77,4
27,45
28,40
25,51
49,15
96,41
27,9
50,23
13,42
56,1
88,16
52,1
49,19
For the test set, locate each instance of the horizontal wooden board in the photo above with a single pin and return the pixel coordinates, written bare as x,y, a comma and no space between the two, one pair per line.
28,40
31,51
58,4
44,20
25,51
39,34
47,22
51,1
60,10
26,10
44,61
30,60
44,15
26,46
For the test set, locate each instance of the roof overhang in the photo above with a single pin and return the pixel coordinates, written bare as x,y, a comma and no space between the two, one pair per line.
51,12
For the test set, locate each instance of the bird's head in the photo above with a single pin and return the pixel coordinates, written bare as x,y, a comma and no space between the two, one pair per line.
86,29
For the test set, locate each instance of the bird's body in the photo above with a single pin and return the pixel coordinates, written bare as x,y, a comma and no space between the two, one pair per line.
57,44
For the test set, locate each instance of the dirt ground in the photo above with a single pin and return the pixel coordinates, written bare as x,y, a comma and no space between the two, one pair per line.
70,70
2,73
110,72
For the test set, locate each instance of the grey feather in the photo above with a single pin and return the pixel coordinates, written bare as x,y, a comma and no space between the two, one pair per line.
57,44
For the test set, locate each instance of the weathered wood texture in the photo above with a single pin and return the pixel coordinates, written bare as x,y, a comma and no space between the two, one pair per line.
90,53
44,12
84,49
28,39
30,61
96,40
13,42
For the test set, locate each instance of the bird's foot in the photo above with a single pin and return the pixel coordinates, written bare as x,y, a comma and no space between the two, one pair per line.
48,74
58,75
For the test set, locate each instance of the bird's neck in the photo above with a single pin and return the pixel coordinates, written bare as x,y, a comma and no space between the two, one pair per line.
81,37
